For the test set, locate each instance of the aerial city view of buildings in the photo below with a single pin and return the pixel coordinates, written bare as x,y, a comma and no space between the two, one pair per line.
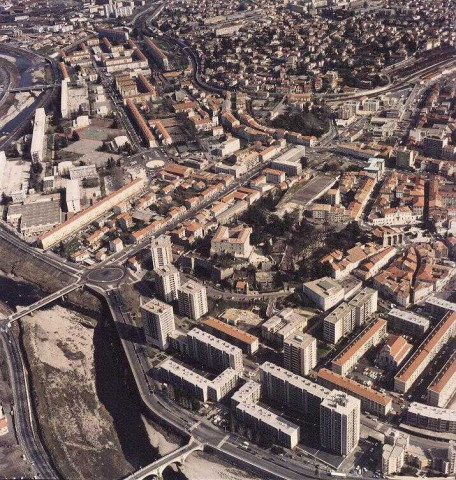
276,183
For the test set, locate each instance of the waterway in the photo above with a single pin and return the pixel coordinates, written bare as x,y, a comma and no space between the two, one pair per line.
114,386
26,68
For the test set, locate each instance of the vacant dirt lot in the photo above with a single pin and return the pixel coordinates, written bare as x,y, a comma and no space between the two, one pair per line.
78,429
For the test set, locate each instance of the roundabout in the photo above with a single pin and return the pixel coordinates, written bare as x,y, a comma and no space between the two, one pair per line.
105,275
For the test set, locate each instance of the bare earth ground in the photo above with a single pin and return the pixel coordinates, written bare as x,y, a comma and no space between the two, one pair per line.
201,466
77,428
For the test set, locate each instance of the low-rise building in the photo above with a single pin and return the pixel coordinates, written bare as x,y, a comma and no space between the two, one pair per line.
394,352
443,387
325,292
370,336
248,343
371,400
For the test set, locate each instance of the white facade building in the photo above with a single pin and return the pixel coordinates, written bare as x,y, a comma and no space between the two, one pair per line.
167,282
158,321
161,252
340,423
192,300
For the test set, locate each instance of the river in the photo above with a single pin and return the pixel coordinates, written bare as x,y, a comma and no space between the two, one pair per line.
118,399
26,68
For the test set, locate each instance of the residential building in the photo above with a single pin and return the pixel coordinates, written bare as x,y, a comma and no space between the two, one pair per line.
408,322
431,418
426,352
167,282
250,392
349,315
88,215
213,352
349,356
372,401
38,147
443,387
282,325
234,241
161,251
300,354
197,386
286,389
270,425
192,300
158,322
394,452
248,343
340,416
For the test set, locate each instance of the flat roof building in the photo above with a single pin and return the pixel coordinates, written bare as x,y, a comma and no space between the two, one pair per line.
324,292
340,417
282,325
195,384
38,147
287,389
431,418
300,353
158,322
349,315
280,431
167,282
192,300
213,352
408,322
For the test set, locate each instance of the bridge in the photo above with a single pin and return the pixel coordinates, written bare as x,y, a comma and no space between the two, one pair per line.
31,88
157,468
43,302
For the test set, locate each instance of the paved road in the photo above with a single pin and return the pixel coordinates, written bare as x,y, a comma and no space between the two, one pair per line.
22,312
23,414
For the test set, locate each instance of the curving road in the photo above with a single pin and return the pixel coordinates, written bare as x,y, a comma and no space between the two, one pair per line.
23,415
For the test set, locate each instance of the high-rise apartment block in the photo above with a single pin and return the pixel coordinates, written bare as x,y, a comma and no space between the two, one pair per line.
300,353
167,281
158,321
161,252
349,315
287,389
192,300
213,352
340,423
